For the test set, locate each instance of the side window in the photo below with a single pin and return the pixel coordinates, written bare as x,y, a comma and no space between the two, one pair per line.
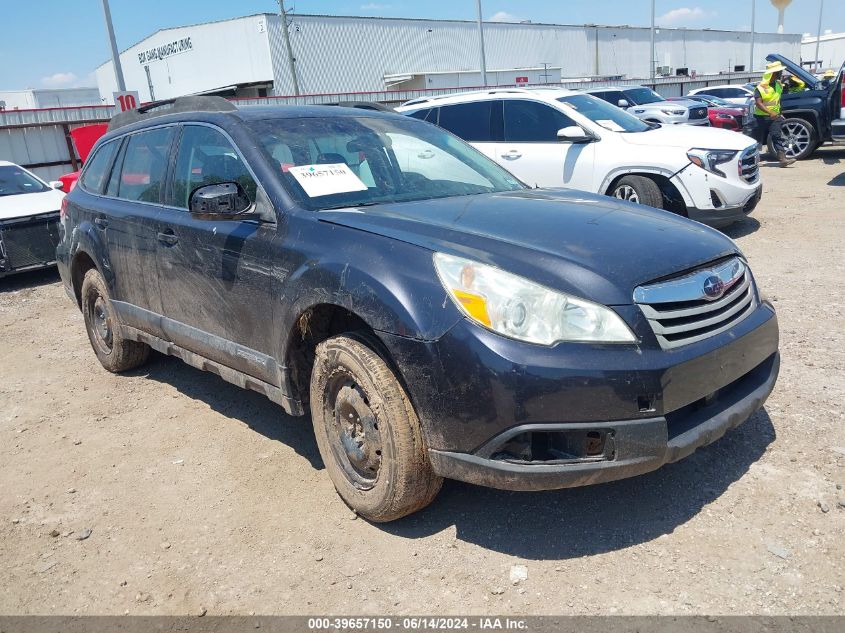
145,165
421,114
732,92
206,157
532,122
97,169
470,121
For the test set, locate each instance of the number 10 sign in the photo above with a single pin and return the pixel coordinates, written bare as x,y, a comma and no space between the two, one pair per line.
124,101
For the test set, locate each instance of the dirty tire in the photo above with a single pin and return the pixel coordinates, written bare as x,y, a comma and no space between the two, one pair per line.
113,351
368,433
806,140
638,189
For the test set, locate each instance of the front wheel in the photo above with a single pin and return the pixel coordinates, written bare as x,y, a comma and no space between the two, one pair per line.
638,189
799,139
368,433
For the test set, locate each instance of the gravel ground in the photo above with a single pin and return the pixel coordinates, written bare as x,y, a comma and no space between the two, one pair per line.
195,496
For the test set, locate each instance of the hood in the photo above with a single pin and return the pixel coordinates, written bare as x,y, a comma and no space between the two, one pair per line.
794,68
737,111
24,204
689,136
589,245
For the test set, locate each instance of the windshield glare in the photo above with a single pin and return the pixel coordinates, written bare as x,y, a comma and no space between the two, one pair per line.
642,96
604,114
340,161
15,181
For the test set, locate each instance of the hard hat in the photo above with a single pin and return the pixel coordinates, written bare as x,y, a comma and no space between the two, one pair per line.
828,74
774,67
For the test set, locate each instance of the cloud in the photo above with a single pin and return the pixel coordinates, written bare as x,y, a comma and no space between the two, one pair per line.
504,16
681,15
59,80
374,6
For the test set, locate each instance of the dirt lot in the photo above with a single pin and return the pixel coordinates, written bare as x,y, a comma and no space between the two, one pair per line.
199,496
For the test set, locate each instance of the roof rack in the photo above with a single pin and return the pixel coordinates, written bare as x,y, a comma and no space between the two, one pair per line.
171,106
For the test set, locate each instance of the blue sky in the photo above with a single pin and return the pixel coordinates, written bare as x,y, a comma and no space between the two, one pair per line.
56,43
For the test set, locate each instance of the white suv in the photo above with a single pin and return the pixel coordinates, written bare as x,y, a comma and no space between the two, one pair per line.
552,137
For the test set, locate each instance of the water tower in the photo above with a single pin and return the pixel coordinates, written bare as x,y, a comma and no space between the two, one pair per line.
780,5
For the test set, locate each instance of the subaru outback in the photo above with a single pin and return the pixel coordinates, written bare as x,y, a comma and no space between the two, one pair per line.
436,317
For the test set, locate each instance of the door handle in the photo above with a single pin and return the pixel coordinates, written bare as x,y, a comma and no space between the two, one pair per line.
101,222
511,155
168,237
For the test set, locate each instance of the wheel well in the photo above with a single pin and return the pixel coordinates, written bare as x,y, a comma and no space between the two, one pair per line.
315,325
82,263
672,199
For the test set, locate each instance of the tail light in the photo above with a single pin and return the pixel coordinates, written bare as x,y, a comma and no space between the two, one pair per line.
63,209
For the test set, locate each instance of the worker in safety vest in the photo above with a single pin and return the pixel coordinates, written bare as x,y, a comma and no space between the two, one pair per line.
827,77
767,111
793,84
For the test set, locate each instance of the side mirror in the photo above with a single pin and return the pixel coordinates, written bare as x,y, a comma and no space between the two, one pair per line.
224,201
574,134
623,103
56,184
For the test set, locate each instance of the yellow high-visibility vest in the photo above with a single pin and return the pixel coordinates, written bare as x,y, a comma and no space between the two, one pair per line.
770,96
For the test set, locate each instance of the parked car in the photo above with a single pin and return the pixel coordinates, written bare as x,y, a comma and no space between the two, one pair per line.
738,95
646,104
29,217
84,138
437,317
815,115
552,137
723,114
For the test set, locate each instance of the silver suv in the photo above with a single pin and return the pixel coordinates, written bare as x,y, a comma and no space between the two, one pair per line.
647,105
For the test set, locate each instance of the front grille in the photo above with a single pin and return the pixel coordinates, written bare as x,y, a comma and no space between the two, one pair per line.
701,304
698,113
749,165
30,242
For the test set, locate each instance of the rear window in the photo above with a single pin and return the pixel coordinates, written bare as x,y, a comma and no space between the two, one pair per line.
97,168
470,121
145,165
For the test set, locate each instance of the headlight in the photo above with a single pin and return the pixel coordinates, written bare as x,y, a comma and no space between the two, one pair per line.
667,112
520,309
711,159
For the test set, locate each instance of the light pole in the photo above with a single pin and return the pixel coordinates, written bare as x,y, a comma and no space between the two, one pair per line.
651,60
818,35
288,49
753,15
115,55
481,46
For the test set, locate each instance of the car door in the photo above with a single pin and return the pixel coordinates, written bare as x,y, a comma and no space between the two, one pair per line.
215,276
127,216
473,122
532,152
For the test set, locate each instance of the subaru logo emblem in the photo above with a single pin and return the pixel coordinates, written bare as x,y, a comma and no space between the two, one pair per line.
713,287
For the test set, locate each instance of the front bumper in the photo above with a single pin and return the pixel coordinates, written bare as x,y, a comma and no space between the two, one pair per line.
475,391
725,216
28,243
639,446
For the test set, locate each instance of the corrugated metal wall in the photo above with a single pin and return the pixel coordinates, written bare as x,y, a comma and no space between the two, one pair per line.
33,137
353,54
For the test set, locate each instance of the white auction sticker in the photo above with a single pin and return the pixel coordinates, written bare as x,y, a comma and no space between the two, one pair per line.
324,180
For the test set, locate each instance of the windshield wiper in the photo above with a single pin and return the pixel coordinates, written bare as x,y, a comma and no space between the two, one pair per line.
352,206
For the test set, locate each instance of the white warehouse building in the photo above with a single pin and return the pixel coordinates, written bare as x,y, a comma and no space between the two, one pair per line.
247,56
831,51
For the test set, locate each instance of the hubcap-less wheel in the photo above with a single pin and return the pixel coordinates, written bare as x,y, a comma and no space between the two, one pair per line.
796,138
102,327
626,192
353,432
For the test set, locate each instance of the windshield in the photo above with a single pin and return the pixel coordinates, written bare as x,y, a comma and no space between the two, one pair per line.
15,181
334,162
716,101
641,96
604,114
